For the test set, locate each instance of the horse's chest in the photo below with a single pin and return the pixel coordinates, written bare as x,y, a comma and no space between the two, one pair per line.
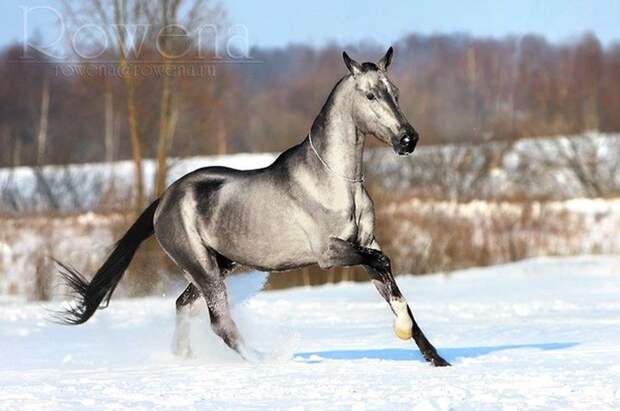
343,218
342,224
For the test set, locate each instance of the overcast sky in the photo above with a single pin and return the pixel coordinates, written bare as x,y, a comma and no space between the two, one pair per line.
278,23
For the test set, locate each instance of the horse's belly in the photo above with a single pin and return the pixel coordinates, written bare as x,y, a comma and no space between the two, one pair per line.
265,236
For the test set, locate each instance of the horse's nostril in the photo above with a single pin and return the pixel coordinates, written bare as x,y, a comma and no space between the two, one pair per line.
407,143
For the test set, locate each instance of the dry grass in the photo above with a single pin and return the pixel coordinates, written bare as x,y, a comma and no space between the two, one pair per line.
29,245
420,236
432,236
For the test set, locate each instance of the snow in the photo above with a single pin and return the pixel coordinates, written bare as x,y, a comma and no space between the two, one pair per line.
86,184
538,334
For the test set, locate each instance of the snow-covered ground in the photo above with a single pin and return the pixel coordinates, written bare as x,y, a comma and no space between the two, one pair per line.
539,334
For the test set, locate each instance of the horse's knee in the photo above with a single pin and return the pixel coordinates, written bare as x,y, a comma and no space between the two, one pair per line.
383,262
338,253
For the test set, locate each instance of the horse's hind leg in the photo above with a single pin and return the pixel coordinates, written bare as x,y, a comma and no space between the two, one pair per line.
214,291
181,342
200,264
177,230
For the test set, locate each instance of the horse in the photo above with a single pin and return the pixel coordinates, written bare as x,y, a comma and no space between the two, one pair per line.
309,207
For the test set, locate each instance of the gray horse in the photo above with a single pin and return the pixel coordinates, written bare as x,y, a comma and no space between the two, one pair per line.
308,207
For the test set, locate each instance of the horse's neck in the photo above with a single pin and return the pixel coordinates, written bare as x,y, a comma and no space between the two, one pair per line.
335,136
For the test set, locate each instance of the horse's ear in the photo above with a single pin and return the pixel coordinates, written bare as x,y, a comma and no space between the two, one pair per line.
385,61
354,67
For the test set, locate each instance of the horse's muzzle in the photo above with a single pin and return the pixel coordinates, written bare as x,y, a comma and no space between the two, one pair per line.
407,143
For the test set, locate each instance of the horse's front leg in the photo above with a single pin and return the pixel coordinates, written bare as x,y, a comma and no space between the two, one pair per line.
405,325
345,253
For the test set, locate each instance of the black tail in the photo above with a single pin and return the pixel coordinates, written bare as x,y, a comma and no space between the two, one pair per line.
90,295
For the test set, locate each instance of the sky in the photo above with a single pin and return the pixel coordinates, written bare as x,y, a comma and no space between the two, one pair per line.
317,22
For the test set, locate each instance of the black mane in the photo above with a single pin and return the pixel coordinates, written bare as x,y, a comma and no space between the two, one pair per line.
369,67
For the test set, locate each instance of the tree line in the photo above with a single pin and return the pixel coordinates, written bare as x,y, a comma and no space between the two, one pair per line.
454,88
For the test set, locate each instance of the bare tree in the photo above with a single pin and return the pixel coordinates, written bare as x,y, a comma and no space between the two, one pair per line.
458,172
120,18
109,123
169,26
115,24
44,119
42,182
169,11
173,40
568,167
588,158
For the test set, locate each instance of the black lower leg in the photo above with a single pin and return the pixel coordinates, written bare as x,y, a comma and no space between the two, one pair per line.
426,348
345,253
386,285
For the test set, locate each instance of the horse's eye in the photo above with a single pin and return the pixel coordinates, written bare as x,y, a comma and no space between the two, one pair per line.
370,96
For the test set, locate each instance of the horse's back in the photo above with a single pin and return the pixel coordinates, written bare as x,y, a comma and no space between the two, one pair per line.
246,216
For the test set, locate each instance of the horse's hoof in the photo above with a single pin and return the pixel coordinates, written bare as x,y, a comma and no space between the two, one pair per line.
437,361
402,328
403,334
403,325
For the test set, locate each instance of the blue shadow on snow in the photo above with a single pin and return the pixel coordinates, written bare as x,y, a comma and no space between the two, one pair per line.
401,354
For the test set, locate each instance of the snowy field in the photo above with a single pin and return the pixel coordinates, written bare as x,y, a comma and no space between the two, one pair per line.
539,334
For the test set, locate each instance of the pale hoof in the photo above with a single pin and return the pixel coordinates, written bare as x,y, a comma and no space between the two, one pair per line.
402,322
402,327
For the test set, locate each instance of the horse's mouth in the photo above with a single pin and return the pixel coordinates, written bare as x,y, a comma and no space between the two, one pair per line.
404,151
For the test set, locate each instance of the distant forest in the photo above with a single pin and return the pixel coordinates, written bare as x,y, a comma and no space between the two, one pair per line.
454,88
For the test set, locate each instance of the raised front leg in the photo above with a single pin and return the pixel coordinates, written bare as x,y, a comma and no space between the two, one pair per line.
345,253
342,253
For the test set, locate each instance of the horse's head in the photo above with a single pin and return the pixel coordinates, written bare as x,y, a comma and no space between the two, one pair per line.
375,105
